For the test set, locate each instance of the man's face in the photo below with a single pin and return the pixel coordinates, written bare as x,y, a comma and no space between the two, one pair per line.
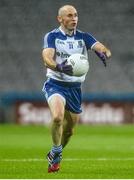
69,18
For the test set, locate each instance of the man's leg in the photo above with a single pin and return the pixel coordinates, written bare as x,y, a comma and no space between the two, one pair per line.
57,108
70,120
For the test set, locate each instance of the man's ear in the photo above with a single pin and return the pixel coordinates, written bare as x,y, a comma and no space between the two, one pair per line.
59,18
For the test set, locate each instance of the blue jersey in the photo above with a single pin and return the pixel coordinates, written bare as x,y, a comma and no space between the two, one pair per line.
65,46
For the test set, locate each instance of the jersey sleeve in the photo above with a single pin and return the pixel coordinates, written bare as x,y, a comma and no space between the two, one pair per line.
90,41
49,41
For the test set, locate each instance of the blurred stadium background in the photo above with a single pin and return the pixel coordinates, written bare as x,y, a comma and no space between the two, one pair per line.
108,93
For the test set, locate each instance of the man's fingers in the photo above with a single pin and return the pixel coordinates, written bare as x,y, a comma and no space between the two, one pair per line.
108,54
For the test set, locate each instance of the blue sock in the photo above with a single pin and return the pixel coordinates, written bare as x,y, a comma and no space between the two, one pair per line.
56,150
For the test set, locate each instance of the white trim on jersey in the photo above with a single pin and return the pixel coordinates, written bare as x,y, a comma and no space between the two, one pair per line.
94,44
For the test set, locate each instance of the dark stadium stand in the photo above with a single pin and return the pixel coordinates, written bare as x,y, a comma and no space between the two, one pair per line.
24,23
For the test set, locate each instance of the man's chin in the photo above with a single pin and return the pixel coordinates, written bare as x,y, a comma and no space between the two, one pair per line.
72,28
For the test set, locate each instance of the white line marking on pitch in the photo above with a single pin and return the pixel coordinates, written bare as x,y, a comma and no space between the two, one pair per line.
68,159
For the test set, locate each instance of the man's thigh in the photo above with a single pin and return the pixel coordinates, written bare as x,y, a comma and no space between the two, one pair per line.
57,105
70,119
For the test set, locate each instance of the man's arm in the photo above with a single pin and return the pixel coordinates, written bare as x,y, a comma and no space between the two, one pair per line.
48,58
99,47
102,52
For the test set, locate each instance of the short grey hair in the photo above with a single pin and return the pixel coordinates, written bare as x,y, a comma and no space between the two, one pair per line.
63,8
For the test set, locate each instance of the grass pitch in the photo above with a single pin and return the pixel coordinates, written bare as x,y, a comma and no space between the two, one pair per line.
95,152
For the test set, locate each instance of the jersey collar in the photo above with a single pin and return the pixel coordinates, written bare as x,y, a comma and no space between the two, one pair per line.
65,33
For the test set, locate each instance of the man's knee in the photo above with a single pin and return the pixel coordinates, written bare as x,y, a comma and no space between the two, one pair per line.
58,118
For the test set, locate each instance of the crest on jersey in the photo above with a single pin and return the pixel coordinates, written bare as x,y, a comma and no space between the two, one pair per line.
80,45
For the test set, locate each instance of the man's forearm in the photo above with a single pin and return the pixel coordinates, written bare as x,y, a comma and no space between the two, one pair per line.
100,48
50,63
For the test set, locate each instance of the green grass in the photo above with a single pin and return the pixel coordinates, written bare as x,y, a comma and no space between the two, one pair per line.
93,152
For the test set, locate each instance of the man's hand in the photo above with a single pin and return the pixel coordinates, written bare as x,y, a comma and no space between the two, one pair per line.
102,56
102,52
64,68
